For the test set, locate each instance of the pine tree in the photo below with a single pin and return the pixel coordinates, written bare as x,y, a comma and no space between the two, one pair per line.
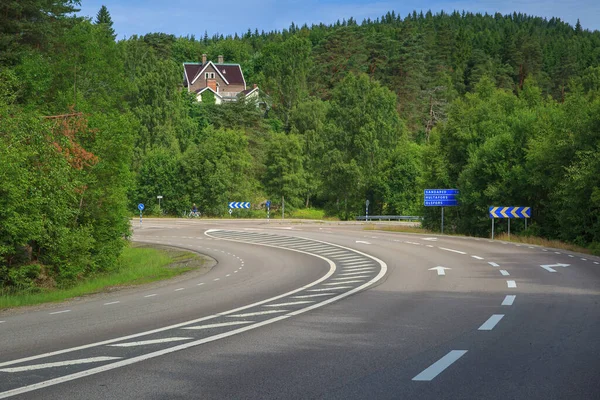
103,18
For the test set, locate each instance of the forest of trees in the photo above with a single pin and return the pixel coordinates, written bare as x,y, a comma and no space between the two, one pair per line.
504,108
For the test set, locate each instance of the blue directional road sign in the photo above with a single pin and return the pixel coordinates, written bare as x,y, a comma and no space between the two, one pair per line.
440,197
510,212
268,203
239,204
141,207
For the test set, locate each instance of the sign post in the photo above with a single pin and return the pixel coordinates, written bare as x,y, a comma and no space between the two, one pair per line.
159,197
367,211
141,208
441,198
509,212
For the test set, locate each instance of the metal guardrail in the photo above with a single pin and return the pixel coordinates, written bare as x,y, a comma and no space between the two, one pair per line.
389,218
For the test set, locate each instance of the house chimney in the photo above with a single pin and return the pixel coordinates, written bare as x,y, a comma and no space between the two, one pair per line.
220,59
203,59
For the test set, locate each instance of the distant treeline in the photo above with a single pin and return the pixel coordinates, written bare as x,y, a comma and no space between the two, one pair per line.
504,108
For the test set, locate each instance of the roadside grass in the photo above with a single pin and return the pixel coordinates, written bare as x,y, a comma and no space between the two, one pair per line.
397,228
555,244
138,264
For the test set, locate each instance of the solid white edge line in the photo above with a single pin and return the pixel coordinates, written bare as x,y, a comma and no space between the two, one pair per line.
491,322
509,300
58,364
440,365
184,346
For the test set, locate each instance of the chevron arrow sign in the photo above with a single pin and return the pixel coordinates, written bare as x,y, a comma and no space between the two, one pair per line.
239,204
510,212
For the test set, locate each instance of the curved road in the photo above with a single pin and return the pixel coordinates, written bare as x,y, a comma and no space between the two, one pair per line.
311,310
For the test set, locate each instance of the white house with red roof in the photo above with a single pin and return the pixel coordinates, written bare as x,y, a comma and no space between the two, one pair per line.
226,81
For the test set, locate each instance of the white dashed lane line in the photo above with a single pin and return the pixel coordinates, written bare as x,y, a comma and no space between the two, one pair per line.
452,250
509,300
493,264
504,272
511,284
59,312
440,365
179,289
477,257
217,279
151,295
112,302
491,322
200,284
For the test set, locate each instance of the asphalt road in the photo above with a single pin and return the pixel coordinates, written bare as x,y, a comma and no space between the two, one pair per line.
310,310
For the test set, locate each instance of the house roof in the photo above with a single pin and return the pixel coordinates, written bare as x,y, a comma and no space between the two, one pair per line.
231,73
248,91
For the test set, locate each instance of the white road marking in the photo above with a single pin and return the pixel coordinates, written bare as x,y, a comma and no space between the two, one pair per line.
59,312
350,277
491,322
154,341
1,322
557,252
217,279
550,268
440,365
356,264
477,257
362,241
112,302
358,269
341,283
440,270
595,262
430,238
363,271
571,255
509,300
179,289
544,250
308,296
350,258
584,259
151,295
253,314
59,364
504,272
200,284
452,250
227,275
493,264
511,284
429,245
331,288
293,303
235,272
219,325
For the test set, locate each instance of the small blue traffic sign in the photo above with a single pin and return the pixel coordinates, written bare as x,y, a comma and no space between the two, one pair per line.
268,203
141,207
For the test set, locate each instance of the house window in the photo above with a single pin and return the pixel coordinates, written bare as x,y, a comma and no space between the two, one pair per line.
209,75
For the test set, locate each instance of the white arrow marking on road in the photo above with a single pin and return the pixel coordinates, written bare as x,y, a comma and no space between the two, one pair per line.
59,364
550,267
154,341
440,270
362,241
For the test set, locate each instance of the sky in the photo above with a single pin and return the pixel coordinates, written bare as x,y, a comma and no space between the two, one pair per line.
194,17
